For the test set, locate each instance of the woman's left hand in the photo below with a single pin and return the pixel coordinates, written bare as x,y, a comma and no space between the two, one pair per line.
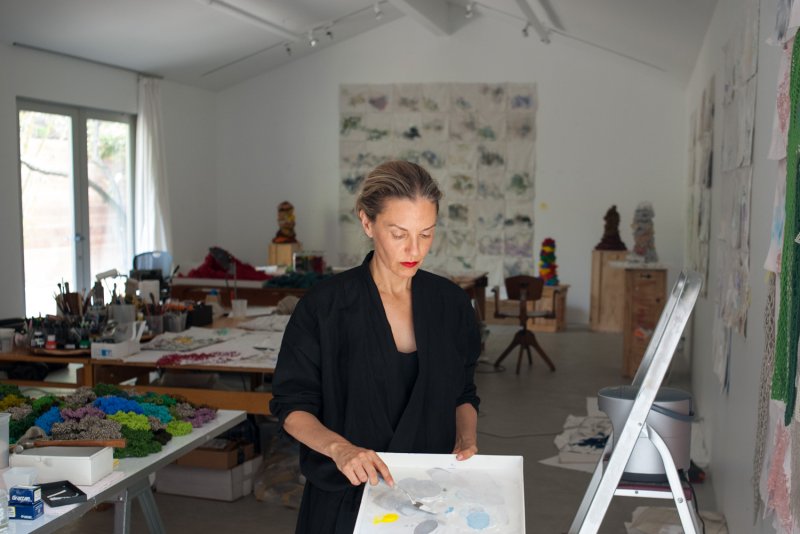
465,448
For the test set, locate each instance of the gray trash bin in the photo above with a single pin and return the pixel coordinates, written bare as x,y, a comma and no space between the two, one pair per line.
670,415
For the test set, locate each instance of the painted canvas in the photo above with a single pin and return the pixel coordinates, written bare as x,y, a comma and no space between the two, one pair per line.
484,494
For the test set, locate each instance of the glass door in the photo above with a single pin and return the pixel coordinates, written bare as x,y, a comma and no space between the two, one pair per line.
76,178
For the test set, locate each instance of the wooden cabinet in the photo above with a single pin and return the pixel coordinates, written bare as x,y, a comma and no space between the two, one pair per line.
607,303
645,296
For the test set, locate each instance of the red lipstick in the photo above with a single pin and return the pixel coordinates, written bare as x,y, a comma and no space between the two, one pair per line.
409,264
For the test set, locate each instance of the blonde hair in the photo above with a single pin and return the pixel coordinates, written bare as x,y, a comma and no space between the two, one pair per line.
395,179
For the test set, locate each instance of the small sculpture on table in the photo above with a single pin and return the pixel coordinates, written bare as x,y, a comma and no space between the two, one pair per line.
548,270
611,239
644,248
285,232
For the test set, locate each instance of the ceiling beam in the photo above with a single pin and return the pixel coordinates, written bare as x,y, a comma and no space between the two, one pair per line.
247,16
533,20
432,14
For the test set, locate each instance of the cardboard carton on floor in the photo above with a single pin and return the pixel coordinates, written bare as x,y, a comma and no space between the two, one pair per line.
218,454
217,484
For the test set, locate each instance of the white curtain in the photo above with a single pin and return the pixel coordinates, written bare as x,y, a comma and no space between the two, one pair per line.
151,203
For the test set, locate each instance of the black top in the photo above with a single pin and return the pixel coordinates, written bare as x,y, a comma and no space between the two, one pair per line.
404,367
336,358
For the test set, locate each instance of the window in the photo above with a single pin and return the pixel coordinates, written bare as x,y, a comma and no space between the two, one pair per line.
76,179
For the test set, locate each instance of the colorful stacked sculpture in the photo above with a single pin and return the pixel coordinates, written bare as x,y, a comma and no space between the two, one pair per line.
548,270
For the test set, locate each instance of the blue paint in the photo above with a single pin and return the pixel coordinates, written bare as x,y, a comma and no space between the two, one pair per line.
449,510
478,520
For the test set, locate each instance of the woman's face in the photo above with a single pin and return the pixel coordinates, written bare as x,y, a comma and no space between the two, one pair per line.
402,234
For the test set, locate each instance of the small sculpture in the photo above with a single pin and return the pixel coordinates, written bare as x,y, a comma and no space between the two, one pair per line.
285,232
611,239
644,247
548,270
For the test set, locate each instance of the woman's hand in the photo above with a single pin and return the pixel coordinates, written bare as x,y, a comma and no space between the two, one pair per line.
465,448
359,465
466,432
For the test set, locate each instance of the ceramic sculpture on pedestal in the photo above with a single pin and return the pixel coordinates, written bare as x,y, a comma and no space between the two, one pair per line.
611,239
644,248
548,270
285,232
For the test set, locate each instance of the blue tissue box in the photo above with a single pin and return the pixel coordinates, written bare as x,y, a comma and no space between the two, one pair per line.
25,511
25,494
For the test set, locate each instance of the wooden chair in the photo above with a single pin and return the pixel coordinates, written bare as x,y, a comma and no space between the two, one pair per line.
524,289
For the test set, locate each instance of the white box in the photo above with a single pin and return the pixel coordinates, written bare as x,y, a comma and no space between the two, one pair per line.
218,484
117,351
83,466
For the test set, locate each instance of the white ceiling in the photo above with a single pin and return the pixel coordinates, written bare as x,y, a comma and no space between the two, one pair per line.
197,43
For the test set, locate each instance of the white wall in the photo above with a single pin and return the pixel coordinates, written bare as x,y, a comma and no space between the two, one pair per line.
189,118
610,131
731,418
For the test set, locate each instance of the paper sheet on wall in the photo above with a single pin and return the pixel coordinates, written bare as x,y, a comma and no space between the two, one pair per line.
477,140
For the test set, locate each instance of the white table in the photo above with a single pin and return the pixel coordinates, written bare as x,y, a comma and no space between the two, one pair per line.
128,481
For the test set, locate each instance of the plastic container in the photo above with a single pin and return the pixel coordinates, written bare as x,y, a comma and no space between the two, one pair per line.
19,476
6,339
5,420
670,416
3,511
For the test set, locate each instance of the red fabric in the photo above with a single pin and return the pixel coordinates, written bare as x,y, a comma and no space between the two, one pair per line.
210,268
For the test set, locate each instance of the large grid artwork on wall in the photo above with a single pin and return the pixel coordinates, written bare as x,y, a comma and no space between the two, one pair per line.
476,140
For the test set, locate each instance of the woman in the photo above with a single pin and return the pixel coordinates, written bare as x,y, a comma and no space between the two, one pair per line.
378,358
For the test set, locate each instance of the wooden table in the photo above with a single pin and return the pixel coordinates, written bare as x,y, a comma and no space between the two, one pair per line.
95,371
256,294
129,481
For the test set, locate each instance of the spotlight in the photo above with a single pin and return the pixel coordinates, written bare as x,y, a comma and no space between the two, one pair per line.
378,12
311,39
468,10
288,50
525,30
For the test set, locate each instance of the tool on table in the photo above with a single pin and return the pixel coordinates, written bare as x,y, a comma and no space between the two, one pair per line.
116,443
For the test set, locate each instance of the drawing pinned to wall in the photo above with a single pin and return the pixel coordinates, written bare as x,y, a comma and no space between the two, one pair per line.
481,496
733,257
701,168
477,140
490,214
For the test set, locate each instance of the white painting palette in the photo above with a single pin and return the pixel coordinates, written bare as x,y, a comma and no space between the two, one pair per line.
484,494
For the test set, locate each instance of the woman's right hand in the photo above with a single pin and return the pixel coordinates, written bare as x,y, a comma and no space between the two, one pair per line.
360,465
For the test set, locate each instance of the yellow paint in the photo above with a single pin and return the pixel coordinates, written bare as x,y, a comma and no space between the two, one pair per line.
544,206
388,518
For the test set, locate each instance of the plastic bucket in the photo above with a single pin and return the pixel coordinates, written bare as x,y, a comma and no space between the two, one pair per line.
670,416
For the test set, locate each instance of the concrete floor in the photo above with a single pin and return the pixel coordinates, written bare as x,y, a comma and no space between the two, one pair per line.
520,415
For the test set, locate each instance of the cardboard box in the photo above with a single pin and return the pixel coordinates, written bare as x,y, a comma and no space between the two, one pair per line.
217,484
83,466
25,511
218,454
25,494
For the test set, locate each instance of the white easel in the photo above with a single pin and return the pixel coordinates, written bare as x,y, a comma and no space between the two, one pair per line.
605,483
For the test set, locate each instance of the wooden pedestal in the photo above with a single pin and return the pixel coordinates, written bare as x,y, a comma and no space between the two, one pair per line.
282,253
606,312
645,296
